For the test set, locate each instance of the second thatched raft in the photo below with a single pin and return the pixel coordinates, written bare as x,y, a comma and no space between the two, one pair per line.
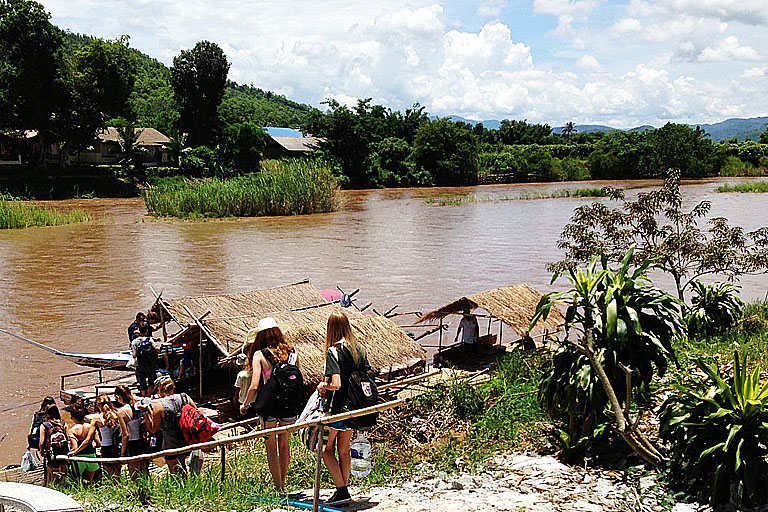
514,305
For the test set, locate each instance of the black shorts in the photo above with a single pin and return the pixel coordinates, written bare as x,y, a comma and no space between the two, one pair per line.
137,447
109,452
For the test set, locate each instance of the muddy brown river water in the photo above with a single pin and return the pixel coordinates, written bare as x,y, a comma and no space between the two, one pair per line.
78,287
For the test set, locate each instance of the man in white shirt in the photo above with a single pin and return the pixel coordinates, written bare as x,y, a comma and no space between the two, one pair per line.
469,329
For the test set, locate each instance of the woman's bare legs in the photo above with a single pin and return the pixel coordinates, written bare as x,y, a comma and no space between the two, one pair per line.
338,468
272,456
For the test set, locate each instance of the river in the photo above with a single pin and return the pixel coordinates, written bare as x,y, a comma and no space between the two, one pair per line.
78,287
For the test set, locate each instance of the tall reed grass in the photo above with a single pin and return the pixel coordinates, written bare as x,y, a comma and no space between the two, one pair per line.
285,187
525,195
757,186
16,215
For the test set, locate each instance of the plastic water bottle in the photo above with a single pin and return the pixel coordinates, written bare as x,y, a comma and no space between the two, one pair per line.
361,455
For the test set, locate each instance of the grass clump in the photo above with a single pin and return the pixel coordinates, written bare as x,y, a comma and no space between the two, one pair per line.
757,187
461,199
16,215
286,187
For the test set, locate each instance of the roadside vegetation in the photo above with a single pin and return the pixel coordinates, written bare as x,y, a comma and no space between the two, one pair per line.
15,215
296,187
758,186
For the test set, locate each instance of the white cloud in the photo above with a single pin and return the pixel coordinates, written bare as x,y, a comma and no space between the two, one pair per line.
588,63
407,51
727,49
491,7
566,11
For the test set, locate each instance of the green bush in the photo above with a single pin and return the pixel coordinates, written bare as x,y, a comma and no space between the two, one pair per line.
732,166
198,162
714,308
571,169
718,435
21,215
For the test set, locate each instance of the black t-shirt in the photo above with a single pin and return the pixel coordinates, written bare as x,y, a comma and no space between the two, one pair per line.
344,366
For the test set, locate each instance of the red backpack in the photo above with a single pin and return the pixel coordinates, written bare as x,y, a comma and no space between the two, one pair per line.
195,426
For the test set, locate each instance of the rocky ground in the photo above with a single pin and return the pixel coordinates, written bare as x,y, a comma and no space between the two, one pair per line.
520,483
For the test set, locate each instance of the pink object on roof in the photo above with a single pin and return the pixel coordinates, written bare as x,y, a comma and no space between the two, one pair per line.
331,295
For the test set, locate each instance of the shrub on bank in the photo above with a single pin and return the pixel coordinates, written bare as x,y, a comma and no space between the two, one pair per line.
287,187
20,215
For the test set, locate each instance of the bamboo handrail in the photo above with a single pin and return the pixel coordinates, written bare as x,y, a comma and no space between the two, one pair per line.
404,382
243,437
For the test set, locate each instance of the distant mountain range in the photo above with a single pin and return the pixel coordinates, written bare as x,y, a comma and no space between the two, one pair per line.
738,128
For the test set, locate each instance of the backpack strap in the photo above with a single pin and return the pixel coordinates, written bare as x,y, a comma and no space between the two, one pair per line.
269,356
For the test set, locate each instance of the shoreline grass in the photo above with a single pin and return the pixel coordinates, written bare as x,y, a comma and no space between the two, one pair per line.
525,195
756,187
17,215
286,187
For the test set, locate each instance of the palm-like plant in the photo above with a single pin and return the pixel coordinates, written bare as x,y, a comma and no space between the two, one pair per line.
719,436
625,330
714,308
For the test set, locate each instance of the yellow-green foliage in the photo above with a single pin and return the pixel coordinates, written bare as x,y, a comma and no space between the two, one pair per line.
15,215
286,187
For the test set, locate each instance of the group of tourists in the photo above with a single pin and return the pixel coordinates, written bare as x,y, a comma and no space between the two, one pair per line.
270,388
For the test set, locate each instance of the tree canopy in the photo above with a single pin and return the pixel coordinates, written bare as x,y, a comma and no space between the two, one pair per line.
663,230
198,77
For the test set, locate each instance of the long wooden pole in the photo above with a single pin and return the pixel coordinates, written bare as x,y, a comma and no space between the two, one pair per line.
318,468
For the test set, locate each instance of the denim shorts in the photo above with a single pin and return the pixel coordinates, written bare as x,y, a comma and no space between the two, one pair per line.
338,425
270,419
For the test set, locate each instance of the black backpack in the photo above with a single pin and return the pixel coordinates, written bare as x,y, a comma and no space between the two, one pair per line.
361,391
146,355
284,394
56,442
33,438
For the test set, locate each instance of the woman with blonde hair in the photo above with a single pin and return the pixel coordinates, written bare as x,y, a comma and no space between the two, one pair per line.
338,339
108,425
163,414
268,350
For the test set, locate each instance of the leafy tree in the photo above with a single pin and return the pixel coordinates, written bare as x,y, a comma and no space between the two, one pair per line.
244,146
662,230
448,151
129,143
198,77
352,136
521,132
109,68
395,166
677,146
569,129
764,136
624,331
32,75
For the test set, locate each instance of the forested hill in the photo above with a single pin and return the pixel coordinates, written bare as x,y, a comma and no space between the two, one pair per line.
153,105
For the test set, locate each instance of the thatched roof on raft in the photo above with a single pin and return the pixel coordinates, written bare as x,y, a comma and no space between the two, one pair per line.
256,303
231,332
514,305
388,347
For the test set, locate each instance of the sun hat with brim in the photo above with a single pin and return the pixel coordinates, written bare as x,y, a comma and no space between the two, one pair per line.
161,379
263,325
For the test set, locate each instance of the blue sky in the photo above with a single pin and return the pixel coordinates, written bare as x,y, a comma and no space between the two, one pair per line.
618,62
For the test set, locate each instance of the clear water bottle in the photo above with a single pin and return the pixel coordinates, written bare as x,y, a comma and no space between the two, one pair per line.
361,455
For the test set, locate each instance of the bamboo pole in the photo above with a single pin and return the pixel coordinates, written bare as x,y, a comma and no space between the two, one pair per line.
198,321
318,468
223,462
243,437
